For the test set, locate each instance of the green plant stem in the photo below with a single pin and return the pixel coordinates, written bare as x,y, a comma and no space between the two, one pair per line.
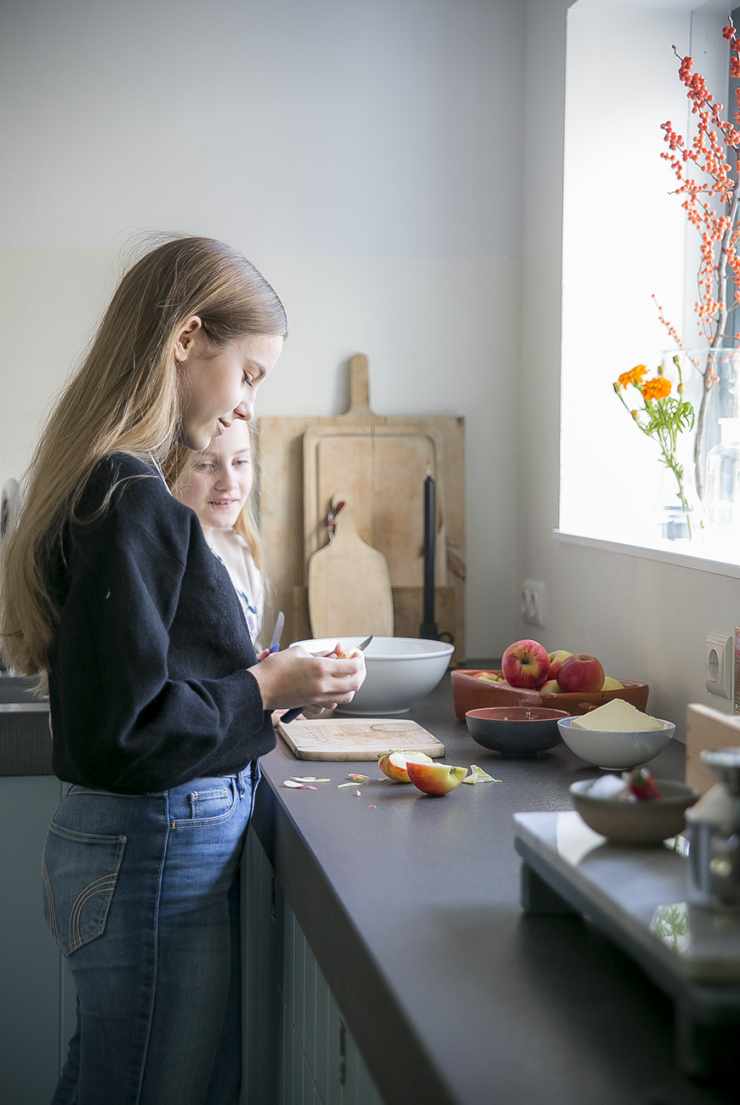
667,439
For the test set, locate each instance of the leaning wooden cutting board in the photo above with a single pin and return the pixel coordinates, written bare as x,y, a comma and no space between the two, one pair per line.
346,739
365,447
349,584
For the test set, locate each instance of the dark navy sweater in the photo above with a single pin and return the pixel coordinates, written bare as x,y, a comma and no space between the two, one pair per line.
147,674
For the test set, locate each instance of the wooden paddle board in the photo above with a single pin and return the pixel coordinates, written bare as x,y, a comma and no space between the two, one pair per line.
349,583
366,739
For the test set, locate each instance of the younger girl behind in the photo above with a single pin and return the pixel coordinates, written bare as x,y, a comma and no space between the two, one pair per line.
217,486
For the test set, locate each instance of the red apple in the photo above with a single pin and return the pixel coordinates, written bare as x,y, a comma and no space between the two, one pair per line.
393,764
525,664
556,658
581,673
435,779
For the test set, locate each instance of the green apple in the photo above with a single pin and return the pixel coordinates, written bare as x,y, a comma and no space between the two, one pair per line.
556,658
611,684
550,687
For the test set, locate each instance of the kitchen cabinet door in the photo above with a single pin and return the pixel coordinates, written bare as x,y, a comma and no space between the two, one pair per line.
298,1049
34,986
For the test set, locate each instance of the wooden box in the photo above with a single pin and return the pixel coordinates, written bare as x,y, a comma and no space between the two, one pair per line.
707,728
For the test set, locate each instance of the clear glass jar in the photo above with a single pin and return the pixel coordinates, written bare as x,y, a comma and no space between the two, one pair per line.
722,495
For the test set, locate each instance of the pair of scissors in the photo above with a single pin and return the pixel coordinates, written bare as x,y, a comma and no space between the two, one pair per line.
293,714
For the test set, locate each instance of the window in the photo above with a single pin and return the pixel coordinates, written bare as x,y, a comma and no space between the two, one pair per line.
625,240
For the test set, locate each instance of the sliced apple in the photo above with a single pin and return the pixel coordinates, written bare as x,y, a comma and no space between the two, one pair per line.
435,779
611,684
393,764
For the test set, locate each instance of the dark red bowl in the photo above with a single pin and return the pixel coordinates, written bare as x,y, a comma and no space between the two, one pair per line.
516,732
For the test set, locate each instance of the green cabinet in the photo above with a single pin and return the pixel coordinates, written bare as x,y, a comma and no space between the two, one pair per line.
37,1007
298,1048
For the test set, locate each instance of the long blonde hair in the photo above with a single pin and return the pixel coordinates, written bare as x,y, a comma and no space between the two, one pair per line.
124,398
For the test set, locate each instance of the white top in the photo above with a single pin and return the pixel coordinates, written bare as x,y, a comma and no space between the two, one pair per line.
234,552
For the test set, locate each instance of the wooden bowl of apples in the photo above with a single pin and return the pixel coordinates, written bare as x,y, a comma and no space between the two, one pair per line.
529,677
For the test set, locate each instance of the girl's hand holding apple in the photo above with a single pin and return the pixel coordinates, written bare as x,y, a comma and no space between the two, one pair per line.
296,677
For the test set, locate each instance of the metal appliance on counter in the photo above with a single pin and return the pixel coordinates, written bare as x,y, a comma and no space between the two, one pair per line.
714,832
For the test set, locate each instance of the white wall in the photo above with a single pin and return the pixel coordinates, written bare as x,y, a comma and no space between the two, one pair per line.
366,156
646,620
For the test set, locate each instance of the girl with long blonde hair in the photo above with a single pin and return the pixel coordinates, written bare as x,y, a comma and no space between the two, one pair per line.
158,706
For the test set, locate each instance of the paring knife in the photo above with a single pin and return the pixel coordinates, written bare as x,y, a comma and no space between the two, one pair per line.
293,714
277,632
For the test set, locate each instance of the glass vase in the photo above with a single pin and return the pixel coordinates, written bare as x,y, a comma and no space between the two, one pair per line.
712,381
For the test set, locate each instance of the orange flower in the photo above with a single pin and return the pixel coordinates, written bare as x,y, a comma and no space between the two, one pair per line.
634,376
658,388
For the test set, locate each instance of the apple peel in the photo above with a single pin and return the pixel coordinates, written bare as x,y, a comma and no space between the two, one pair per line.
478,775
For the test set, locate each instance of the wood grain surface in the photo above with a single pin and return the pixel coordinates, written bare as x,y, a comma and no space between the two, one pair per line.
349,584
366,739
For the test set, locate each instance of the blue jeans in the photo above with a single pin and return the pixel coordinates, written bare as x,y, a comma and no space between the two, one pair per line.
141,894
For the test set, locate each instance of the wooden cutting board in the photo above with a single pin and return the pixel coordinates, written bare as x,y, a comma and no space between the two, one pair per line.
349,584
347,739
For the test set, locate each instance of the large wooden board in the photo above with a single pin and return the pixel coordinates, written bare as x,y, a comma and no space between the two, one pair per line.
349,585
366,739
282,515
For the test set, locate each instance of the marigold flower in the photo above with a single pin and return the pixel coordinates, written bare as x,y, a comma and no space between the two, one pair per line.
634,376
659,388
636,415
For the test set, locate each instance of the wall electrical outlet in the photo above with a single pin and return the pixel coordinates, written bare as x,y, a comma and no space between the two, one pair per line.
532,602
719,664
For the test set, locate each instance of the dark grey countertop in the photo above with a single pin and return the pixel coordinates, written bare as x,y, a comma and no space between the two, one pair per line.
452,993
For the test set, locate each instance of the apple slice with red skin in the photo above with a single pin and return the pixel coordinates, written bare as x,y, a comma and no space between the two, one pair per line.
435,779
393,764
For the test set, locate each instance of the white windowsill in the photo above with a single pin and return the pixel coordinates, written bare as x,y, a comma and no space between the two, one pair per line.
664,556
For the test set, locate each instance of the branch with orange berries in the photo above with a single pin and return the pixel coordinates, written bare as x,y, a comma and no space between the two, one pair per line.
709,182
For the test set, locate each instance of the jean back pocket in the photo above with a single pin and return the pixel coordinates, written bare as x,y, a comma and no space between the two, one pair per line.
79,872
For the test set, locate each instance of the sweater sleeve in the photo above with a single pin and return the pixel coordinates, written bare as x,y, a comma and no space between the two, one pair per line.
148,683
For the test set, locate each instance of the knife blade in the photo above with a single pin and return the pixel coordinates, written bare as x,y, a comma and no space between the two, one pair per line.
291,715
277,632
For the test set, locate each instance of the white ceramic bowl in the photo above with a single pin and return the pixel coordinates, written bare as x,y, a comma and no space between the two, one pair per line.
400,671
613,751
